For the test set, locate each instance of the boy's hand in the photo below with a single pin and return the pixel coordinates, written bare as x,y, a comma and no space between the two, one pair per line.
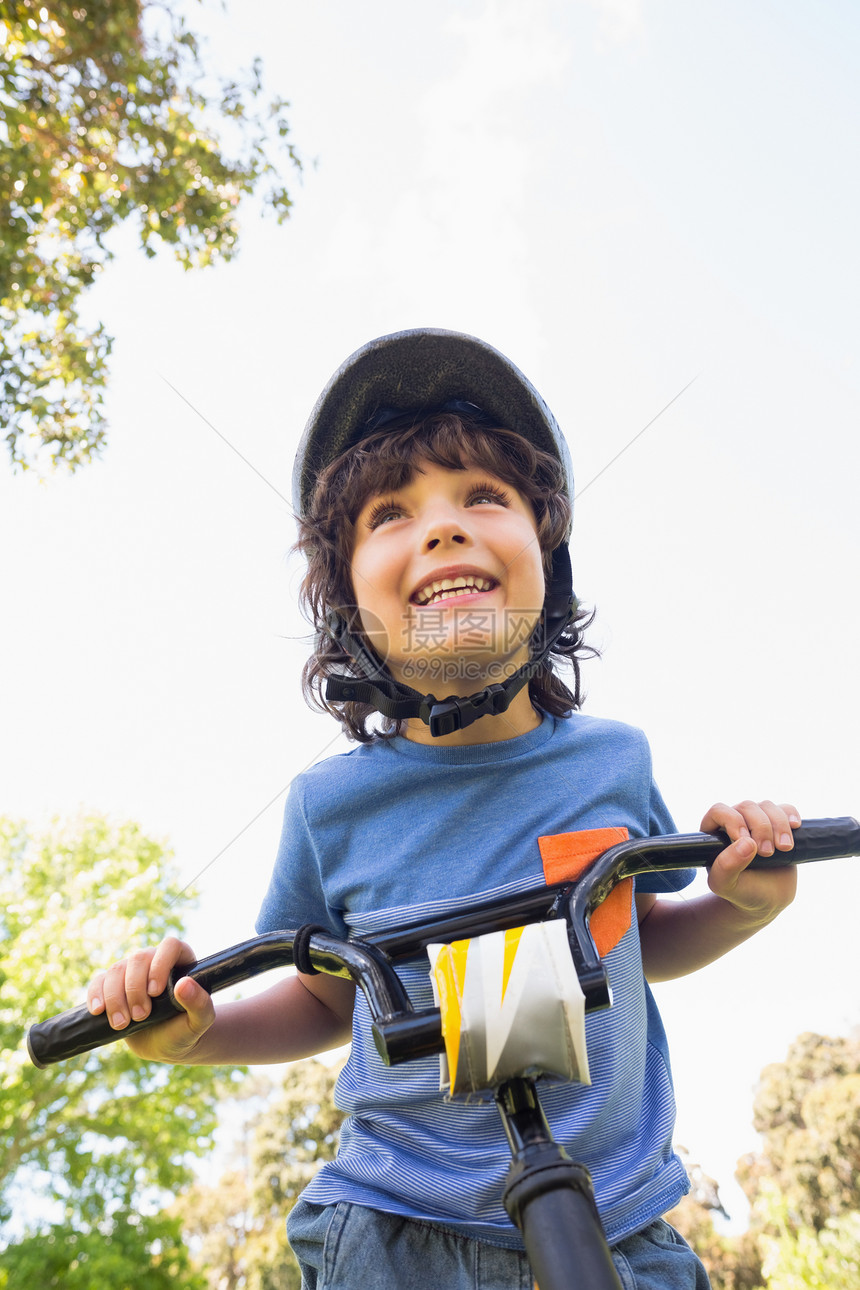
125,992
754,828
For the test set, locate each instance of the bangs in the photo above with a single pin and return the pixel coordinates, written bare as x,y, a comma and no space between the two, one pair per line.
389,459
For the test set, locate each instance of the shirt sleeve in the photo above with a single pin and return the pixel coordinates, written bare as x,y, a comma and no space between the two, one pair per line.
660,822
296,893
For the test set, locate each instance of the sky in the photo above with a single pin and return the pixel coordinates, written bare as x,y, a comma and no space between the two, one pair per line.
651,207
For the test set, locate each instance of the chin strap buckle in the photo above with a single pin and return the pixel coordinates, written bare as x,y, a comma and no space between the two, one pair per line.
455,713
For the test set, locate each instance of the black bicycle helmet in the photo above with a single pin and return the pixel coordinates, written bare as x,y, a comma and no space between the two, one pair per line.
418,372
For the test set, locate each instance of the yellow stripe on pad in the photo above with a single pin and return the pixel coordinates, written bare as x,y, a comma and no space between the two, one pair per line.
512,942
450,974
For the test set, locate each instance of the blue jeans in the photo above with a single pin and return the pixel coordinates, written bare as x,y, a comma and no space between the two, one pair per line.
348,1247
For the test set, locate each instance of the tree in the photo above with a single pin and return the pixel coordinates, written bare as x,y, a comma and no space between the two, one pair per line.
733,1262
238,1227
131,1250
109,116
92,1145
803,1185
807,1110
799,1258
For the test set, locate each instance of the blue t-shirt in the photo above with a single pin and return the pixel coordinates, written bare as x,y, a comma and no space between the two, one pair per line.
394,831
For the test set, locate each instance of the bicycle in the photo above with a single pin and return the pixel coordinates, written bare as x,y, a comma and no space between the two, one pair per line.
547,1195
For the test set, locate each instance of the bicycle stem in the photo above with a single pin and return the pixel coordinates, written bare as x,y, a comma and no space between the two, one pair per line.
550,1198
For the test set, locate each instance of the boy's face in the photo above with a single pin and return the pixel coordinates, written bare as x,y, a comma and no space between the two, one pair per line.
448,578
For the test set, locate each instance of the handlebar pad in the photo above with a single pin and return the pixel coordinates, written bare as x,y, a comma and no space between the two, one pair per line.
79,1031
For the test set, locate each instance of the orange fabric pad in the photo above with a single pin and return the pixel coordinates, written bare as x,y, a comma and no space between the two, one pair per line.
566,856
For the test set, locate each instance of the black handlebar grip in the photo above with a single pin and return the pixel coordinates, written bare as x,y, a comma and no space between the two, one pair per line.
79,1031
816,840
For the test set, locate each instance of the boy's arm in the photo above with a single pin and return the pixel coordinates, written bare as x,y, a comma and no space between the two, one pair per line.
681,936
296,1017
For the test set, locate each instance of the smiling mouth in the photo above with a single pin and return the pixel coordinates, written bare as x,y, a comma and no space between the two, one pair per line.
432,593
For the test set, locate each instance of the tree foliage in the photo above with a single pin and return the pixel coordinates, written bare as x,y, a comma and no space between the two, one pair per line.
130,1251
109,115
732,1262
803,1185
89,1146
807,1258
807,1110
237,1227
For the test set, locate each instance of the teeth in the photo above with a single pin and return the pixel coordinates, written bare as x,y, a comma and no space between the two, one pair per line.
444,588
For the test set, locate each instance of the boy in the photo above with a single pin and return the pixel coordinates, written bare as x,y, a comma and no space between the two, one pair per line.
434,492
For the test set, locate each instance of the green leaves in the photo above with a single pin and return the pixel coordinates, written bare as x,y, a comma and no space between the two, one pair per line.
129,1249
239,1223
802,1258
804,1183
103,1136
807,1109
110,116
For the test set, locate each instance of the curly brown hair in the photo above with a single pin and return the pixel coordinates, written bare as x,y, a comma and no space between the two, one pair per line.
384,461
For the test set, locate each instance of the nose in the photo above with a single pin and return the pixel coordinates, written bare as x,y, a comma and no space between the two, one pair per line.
444,527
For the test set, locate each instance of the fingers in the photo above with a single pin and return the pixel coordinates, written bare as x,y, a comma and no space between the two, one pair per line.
95,993
125,990
176,1039
198,1005
754,828
170,952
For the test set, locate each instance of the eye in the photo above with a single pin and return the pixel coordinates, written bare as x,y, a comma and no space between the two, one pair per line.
487,493
382,512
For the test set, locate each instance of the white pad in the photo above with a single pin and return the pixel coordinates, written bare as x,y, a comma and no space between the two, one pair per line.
511,1005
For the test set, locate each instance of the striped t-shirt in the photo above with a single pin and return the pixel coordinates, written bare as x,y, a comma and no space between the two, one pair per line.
394,831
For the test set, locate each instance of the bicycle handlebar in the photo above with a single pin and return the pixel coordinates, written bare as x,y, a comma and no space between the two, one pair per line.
401,1033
